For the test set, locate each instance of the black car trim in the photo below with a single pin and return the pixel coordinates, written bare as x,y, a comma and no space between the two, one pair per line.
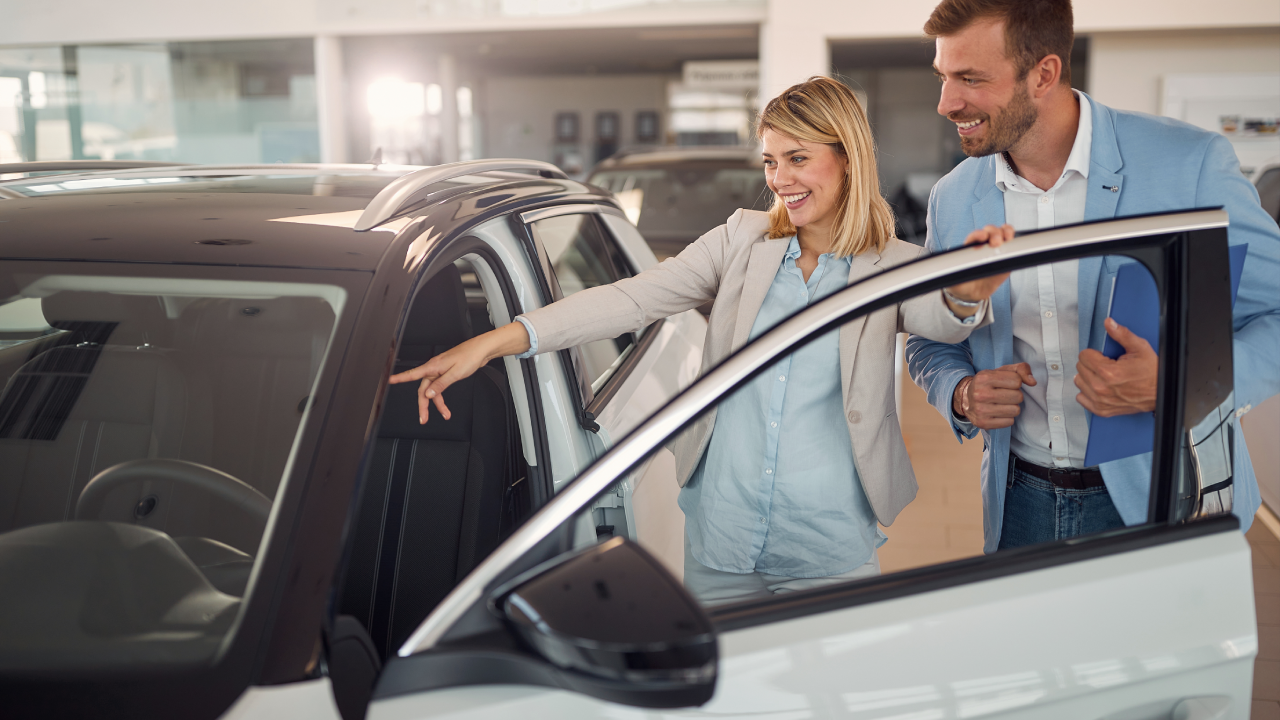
753,613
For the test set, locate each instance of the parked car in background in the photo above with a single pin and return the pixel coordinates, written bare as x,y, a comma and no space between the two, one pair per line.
674,195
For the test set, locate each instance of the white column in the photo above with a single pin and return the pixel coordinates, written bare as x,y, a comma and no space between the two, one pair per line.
448,109
331,99
792,47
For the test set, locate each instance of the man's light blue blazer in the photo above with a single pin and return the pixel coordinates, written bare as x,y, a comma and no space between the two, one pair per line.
1159,165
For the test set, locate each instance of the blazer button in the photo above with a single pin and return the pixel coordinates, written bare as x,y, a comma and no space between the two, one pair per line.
855,417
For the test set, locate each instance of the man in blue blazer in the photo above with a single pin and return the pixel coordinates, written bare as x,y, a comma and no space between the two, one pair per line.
1041,155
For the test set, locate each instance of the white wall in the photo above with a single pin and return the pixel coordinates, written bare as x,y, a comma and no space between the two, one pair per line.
1125,69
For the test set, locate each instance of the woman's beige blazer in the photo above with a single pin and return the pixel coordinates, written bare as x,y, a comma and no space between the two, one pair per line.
734,265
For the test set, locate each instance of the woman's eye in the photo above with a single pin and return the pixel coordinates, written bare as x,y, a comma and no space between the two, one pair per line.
797,159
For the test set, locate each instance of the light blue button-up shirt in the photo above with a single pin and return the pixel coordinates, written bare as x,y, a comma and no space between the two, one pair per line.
777,490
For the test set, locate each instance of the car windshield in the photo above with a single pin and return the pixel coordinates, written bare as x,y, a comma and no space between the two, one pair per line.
146,422
674,204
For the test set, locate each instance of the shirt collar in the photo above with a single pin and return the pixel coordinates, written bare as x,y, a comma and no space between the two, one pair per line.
1077,161
793,252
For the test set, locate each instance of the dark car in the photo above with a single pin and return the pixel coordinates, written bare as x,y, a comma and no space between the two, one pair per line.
674,195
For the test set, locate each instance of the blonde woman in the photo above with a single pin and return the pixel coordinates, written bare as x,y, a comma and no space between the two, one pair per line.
782,490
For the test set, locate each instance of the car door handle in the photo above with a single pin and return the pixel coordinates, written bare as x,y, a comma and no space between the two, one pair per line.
1204,707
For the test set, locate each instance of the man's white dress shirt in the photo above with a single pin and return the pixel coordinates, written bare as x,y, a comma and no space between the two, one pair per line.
1052,429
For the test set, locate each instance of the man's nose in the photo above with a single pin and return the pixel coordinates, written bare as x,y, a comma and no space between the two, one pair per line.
950,100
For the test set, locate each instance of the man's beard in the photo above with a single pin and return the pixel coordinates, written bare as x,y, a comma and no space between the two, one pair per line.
1005,129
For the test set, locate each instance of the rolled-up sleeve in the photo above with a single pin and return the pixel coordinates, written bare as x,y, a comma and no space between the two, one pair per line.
533,338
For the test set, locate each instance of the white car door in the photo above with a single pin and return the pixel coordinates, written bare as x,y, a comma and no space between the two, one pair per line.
1151,621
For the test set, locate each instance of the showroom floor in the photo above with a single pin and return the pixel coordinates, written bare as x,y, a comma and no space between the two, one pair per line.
945,523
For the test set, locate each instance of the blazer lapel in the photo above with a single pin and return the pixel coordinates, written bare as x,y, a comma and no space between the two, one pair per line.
762,266
860,267
1102,197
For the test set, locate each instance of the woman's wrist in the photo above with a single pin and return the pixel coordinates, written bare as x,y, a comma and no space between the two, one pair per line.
510,339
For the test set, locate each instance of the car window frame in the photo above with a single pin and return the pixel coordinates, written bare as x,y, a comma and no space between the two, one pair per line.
1159,241
590,402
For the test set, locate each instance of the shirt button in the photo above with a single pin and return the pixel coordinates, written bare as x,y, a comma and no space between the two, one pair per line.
1044,198
1048,313
768,471
855,417
1057,418
1053,367
773,424
763,521
782,378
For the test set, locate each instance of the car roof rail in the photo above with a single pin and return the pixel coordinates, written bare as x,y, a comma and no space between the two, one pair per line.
394,196
55,166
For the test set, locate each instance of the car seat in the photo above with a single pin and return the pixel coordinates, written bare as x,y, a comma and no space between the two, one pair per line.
430,505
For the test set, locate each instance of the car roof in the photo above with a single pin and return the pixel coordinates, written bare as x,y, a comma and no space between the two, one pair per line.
251,215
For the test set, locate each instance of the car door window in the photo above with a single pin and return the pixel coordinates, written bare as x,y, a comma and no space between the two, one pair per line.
582,256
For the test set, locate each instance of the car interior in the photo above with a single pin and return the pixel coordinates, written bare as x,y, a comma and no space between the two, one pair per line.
436,498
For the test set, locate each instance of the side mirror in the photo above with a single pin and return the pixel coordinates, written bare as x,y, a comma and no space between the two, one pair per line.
614,613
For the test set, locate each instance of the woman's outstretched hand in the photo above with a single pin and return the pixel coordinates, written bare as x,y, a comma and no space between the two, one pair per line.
461,362
981,289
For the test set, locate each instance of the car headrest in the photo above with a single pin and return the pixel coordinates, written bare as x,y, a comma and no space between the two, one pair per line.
438,316
139,318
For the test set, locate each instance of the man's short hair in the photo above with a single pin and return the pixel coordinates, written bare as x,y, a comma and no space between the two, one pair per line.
1033,29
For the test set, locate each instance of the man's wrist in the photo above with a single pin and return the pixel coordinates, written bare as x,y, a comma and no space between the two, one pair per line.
959,396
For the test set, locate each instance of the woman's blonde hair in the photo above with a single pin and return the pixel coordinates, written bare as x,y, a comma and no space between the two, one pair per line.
826,111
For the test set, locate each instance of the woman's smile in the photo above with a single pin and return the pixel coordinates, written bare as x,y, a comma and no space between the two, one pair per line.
795,200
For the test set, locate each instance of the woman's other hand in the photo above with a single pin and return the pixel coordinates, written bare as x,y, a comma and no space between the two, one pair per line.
461,362
981,289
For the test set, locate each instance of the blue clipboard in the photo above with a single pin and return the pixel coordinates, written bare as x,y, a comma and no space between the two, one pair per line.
1135,304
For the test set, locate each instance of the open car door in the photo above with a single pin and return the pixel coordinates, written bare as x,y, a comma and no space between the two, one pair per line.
1154,620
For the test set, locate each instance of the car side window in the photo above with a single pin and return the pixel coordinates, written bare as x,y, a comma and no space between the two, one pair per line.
583,256
779,481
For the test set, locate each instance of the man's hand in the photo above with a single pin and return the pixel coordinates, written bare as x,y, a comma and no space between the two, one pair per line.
1122,386
992,398
981,289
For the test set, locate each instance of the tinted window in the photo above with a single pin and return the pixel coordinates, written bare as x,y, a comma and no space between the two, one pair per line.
582,256
145,427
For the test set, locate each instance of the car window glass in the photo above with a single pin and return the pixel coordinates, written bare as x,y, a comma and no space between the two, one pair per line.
780,475
146,424
582,256
437,498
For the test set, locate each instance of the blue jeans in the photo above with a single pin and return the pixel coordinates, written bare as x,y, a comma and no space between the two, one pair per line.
1036,511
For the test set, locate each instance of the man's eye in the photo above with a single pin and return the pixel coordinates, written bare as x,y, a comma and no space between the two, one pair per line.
970,81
